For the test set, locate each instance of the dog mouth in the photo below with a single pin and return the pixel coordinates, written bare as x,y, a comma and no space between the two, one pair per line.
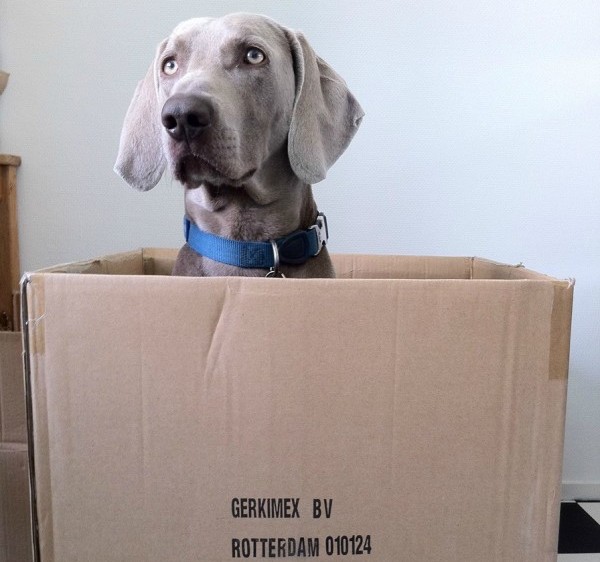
193,170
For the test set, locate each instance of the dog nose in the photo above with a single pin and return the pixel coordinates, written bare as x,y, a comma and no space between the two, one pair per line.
186,117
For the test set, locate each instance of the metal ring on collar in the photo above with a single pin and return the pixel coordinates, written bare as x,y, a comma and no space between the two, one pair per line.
274,271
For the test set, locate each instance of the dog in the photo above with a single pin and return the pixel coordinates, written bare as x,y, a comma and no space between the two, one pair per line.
247,117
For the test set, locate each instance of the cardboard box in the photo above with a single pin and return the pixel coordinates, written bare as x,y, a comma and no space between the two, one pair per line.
412,409
15,516
13,422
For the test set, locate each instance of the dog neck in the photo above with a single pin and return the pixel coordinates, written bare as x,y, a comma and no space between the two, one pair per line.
269,206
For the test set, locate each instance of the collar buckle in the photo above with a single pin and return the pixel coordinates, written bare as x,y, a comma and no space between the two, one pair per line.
321,230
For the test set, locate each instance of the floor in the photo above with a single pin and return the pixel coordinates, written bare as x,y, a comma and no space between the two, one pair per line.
579,535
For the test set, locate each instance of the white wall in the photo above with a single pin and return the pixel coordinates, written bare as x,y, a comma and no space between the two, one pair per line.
482,137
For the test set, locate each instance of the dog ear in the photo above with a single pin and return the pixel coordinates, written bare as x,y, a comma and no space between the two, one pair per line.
141,161
326,115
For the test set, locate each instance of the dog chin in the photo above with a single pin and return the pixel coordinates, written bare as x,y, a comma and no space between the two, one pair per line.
192,172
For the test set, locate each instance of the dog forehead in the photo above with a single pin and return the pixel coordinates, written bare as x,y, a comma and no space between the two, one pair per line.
238,26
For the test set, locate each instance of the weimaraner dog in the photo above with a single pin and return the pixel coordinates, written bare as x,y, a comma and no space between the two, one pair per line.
247,117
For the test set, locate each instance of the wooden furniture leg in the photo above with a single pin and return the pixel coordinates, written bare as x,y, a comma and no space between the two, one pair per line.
9,243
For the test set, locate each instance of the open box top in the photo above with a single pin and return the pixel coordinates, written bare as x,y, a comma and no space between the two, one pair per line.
159,261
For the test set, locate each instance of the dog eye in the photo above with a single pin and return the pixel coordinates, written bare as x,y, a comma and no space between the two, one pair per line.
170,67
254,56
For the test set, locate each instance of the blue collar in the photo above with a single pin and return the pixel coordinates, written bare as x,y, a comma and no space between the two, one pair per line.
294,249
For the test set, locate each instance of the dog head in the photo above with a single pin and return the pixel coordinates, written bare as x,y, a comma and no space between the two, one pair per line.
223,96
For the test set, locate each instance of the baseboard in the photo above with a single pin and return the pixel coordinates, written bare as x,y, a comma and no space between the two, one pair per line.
581,491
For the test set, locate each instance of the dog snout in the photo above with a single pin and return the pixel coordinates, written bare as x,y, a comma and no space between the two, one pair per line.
186,117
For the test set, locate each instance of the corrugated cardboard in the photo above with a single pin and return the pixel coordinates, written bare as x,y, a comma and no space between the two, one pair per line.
15,517
410,410
13,423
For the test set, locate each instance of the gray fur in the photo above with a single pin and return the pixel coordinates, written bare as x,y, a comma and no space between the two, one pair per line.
275,129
